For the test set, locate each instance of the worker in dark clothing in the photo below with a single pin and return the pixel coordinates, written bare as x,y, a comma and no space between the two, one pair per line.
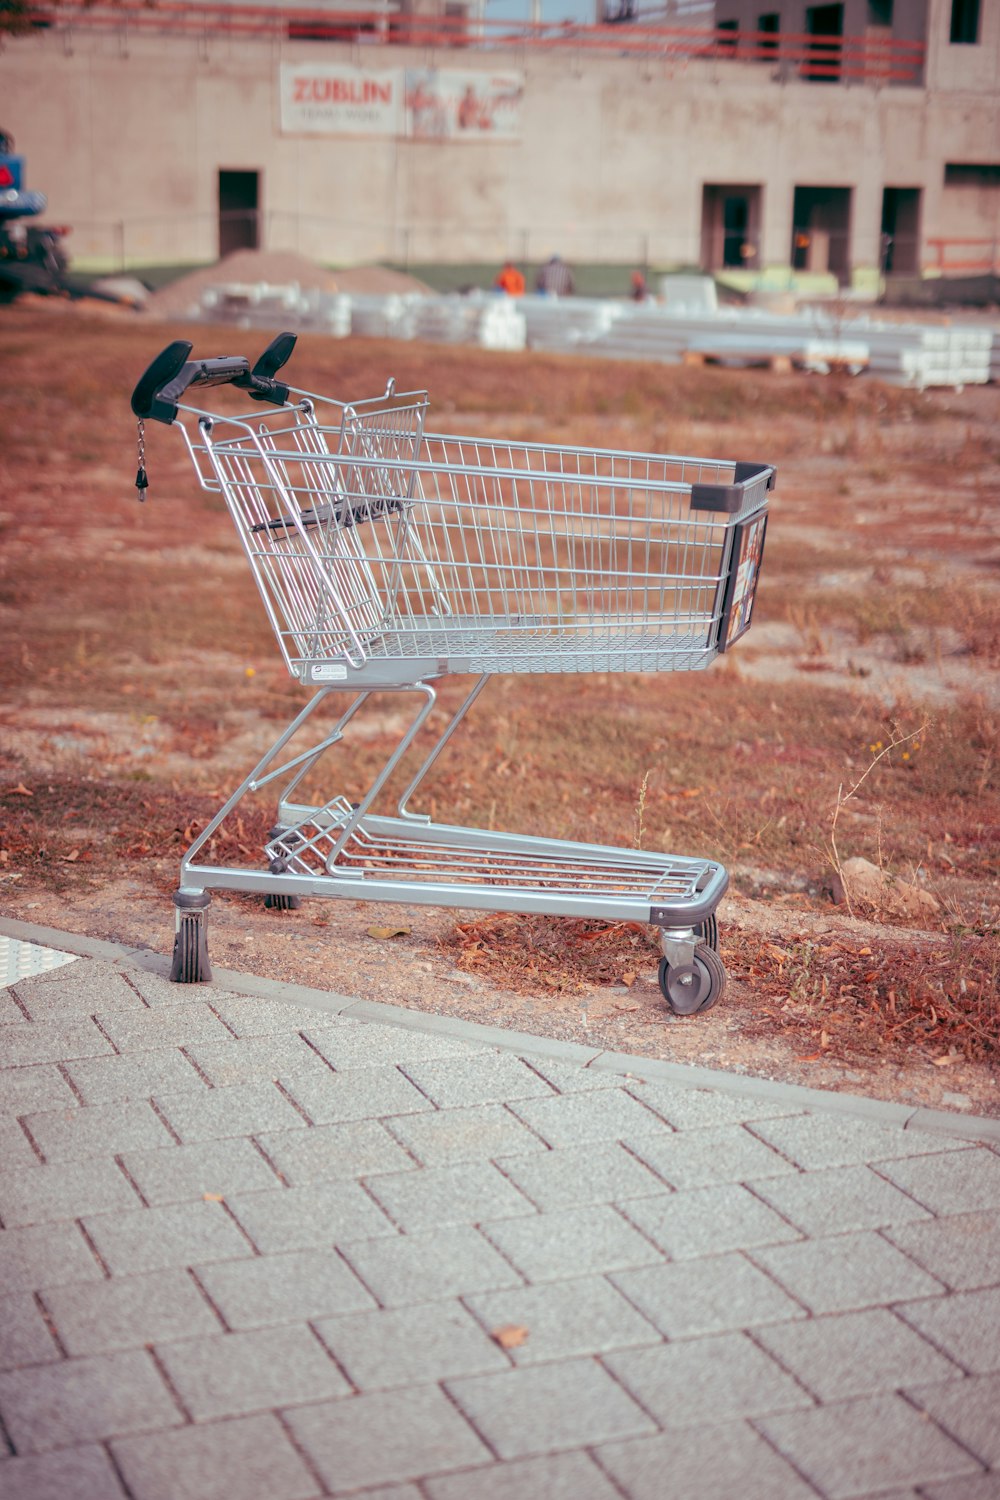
555,279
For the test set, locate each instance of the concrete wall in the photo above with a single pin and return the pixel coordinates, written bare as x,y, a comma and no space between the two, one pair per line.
127,139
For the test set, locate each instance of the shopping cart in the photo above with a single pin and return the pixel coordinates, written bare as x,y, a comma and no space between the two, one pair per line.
388,557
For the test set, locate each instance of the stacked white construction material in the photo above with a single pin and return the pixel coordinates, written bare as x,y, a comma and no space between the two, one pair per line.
916,355
256,304
374,316
566,323
499,323
995,354
691,296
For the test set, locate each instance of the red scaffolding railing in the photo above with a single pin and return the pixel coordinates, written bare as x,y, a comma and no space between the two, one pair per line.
865,59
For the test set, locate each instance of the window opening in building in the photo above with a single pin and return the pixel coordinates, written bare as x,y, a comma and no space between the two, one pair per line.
239,211
727,34
768,30
730,226
825,27
965,22
821,227
879,12
899,247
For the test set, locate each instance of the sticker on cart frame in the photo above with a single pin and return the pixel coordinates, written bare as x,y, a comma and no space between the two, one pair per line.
744,575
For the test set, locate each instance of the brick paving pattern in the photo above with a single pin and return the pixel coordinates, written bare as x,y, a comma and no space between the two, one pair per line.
254,1249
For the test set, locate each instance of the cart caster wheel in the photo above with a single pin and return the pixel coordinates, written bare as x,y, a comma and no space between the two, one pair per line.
708,932
275,902
190,963
692,988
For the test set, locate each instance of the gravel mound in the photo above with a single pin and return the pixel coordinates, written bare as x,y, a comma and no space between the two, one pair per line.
278,268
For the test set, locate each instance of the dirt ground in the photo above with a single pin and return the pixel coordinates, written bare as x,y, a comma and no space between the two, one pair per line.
858,718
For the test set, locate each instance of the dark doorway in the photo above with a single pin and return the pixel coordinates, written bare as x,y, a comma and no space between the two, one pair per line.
730,227
821,227
825,26
239,211
900,245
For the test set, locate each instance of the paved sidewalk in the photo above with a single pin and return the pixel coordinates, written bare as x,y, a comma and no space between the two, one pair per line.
262,1243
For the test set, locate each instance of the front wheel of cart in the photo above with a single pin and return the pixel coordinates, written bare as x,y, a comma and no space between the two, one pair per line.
690,989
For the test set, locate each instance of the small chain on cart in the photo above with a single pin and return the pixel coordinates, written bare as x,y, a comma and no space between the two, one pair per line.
141,482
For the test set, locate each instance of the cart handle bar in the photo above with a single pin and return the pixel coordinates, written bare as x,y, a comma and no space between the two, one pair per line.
172,372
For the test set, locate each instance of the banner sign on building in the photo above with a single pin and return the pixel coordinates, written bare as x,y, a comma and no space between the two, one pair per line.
325,99
447,105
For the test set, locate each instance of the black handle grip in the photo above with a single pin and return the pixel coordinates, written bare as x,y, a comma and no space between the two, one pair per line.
171,373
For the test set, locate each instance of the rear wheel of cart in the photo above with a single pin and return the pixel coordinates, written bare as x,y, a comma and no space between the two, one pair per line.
690,989
708,932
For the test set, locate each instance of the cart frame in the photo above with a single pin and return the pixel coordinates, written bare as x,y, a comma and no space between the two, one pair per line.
387,558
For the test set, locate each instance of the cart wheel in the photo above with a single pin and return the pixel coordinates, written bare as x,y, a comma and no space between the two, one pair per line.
190,963
692,988
275,902
708,932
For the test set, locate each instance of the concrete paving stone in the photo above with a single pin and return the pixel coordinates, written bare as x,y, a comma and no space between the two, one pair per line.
355,1094
203,1463
410,1345
289,1288
84,989
846,1271
306,1218
385,1436
697,1382
84,1400
958,1182
254,1059
604,1116
451,1135
855,1354
427,1267
365,1044
45,1255
156,989
53,1041
140,1075
580,1174
544,1408
699,1109
470,1192
559,1476
699,1158
176,1234
713,1295
234,1374
975,1487
241,1109
41,1194
390,1492
853,1447
24,1335
11,1013
833,1200
29,1090
564,1319
129,1312
215,1168
16,1150
491,1078
97,1130
249,1015
573,1078
734,1461
174,1026
828,1140
967,1409
966,1325
708,1221
550,1247
361,1148
962,1251
81,1473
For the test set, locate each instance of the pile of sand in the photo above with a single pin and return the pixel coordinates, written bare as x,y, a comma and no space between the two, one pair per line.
278,268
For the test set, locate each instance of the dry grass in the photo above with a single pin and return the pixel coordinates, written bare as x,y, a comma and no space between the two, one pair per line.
125,623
